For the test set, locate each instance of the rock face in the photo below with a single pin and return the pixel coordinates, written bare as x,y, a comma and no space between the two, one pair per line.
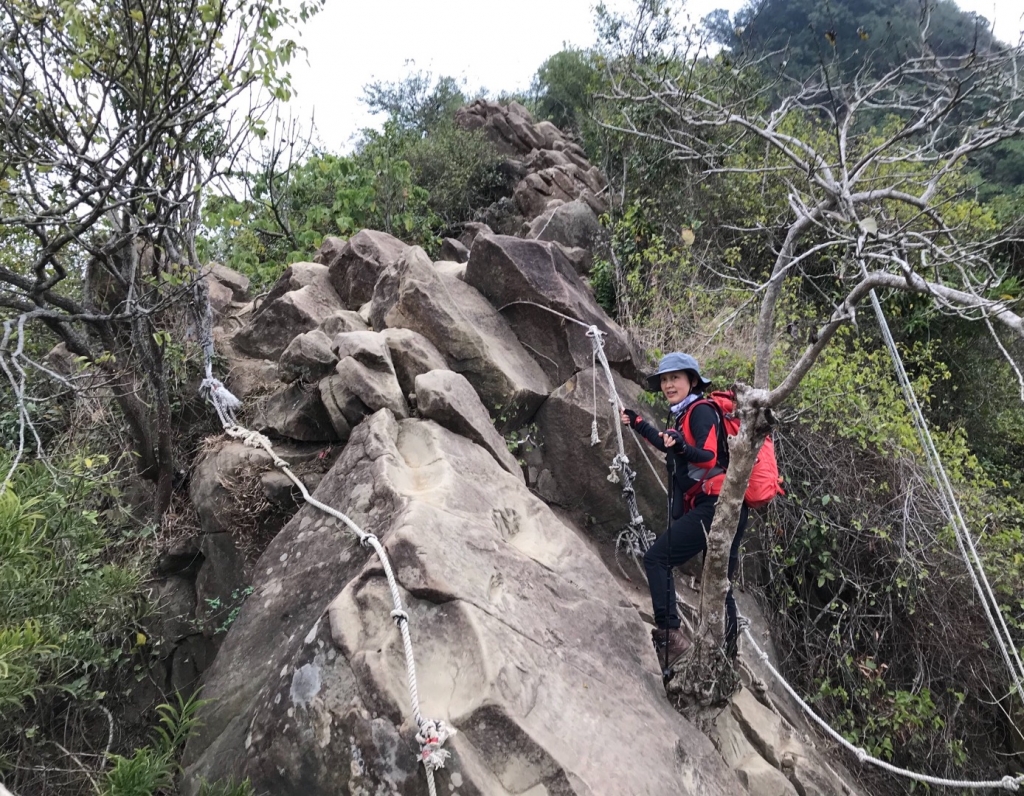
356,265
509,270
307,358
574,474
573,224
520,640
412,354
472,336
448,399
299,301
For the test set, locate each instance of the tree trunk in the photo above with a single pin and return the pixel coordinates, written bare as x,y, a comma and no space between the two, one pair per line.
705,676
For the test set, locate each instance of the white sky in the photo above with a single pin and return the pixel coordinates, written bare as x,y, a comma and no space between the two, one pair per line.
490,45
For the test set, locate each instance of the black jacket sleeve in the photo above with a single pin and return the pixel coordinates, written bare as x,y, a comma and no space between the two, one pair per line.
650,432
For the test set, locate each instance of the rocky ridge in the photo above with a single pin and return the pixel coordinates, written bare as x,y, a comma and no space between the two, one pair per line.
447,412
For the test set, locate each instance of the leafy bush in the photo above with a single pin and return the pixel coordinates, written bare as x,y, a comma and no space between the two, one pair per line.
151,770
69,598
864,586
64,608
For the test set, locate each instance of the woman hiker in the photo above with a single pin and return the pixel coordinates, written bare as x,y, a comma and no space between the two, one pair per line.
696,454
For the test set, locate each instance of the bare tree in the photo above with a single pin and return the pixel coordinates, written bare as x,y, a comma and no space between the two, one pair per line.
114,116
872,200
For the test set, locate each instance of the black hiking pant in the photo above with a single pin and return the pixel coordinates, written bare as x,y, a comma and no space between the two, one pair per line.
687,536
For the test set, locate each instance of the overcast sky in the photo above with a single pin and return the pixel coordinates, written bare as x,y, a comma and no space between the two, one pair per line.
497,46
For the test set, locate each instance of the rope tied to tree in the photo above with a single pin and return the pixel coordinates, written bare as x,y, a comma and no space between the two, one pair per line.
431,734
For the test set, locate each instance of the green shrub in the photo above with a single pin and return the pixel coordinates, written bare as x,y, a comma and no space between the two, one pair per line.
152,769
64,607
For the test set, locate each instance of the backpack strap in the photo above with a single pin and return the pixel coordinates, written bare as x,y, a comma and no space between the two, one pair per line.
718,470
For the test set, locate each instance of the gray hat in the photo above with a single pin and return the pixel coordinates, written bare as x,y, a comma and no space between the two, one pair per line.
676,361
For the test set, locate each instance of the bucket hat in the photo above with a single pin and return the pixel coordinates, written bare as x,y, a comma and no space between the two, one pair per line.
676,361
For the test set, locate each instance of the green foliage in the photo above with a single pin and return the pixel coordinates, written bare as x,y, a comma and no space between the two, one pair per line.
846,35
417,177
65,610
416,104
290,211
564,88
151,770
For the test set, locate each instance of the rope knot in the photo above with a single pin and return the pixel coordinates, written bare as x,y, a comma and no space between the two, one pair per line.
399,616
618,464
431,738
1010,783
368,540
862,755
595,438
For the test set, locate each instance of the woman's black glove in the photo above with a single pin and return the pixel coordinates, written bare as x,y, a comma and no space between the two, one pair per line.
634,418
680,442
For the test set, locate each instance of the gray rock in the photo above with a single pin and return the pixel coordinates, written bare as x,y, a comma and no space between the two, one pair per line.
218,295
572,224
224,470
447,398
307,358
356,266
296,412
234,281
522,642
343,321
456,270
358,389
454,250
473,338
190,659
300,300
412,354
470,231
776,742
174,609
511,270
220,584
367,348
279,489
330,249
578,473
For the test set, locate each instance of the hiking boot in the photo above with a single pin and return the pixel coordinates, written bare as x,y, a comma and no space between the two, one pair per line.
676,641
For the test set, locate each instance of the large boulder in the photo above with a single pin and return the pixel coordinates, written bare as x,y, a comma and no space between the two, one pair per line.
225,472
447,398
307,358
237,283
473,337
356,265
296,412
412,354
299,301
454,250
364,381
343,321
574,474
573,224
510,271
522,642
764,748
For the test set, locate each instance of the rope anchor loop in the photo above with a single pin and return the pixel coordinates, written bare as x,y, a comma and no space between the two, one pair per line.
431,737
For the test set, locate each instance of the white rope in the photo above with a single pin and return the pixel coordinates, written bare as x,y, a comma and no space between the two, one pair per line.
1008,782
430,734
964,539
